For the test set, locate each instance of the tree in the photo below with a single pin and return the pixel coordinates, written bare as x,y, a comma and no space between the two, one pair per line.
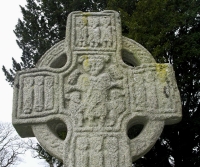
169,29
11,146
39,152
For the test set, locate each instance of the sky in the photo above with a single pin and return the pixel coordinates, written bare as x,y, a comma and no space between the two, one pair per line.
9,14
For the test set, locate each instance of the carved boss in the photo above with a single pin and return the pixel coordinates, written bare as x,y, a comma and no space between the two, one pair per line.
95,85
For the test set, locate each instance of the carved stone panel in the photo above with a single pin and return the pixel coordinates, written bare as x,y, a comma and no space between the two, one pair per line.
153,89
95,31
100,150
94,94
38,94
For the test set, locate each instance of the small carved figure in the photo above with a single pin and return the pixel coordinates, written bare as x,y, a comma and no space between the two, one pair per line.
75,100
96,154
72,80
164,94
111,153
28,95
82,156
139,91
116,106
115,72
81,31
48,93
151,96
106,32
94,29
125,156
75,107
39,93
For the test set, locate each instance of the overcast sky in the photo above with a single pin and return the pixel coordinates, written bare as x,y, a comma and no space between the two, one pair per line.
9,14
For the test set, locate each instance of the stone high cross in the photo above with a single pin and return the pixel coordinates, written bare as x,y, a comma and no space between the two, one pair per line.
95,85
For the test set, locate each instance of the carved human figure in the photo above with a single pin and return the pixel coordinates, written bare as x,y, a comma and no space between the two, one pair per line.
111,153
81,31
164,92
115,72
28,95
72,80
125,156
106,32
139,91
39,93
116,106
49,91
94,83
82,152
96,153
169,93
75,107
94,29
151,96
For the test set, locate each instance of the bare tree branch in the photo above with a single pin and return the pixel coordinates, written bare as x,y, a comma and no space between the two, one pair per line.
11,145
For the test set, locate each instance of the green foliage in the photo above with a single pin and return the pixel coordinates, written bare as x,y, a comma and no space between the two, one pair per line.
126,9
169,29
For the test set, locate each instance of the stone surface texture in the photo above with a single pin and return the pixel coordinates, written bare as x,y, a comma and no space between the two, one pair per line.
95,85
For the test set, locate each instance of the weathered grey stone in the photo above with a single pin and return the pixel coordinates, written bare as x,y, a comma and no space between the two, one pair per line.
85,86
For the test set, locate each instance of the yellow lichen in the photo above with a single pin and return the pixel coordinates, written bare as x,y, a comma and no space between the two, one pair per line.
86,61
86,13
85,81
84,20
161,70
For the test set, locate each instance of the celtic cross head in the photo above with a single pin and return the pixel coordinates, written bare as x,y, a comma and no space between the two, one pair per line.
95,85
